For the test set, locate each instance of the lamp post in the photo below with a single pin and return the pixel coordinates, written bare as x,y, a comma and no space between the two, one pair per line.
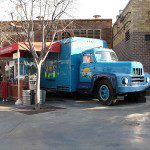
19,101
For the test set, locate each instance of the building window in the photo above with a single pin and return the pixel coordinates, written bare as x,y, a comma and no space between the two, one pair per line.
127,36
83,33
56,37
77,33
96,33
66,35
90,33
147,37
49,37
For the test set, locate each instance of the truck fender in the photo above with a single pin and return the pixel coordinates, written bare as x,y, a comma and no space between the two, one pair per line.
97,77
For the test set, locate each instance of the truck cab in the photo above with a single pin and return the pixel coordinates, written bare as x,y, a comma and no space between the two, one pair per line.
101,73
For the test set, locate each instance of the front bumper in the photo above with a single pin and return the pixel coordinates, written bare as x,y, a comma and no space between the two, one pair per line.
134,88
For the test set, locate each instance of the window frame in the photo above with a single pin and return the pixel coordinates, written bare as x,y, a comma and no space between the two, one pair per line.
147,37
91,58
127,35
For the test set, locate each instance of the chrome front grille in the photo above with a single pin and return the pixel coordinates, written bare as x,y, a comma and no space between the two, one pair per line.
137,71
138,79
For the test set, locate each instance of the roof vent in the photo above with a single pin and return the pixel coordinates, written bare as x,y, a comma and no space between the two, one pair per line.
97,16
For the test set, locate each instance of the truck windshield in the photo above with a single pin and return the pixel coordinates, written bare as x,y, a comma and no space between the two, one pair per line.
105,56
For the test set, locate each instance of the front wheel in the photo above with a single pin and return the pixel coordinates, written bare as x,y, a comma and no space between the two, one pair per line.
105,93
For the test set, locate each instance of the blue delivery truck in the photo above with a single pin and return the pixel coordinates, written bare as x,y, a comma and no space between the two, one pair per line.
86,65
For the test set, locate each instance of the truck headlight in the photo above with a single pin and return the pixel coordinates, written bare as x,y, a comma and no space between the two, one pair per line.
125,81
147,79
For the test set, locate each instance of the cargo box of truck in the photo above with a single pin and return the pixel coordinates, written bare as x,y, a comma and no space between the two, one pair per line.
61,70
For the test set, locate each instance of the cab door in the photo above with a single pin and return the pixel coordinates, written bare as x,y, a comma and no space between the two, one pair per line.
87,67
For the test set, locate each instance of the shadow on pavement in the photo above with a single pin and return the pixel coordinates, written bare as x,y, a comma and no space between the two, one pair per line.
30,110
83,101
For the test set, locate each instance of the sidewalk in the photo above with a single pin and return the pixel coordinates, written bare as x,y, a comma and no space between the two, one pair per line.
26,109
6,106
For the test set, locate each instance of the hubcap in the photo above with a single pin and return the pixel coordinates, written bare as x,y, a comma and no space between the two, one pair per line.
104,92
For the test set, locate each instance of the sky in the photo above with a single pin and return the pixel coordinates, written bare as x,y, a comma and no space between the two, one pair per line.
86,9
105,8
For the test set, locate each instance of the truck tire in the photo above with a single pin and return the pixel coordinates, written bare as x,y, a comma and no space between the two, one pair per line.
138,97
105,93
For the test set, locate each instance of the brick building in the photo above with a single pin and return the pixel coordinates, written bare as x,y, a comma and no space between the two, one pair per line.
91,28
131,33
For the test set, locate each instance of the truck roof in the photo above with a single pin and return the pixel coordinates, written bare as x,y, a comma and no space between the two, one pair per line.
98,49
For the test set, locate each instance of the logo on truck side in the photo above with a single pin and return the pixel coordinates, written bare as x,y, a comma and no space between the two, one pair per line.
86,73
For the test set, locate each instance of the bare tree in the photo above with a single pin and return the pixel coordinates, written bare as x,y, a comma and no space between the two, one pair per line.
49,13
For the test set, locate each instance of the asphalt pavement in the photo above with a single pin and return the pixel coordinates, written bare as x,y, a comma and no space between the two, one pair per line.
82,125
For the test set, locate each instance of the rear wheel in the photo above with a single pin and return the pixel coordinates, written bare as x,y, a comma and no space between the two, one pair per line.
105,93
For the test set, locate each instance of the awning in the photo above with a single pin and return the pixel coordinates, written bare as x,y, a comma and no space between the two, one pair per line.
22,46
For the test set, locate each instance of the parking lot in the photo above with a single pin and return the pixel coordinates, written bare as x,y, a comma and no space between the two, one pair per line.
81,124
